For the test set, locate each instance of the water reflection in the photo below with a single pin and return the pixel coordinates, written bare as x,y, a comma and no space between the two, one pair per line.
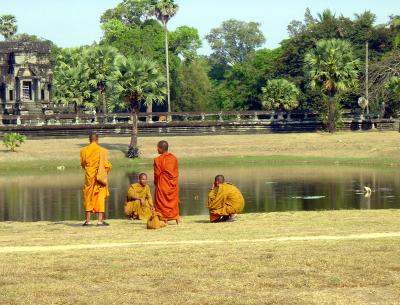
59,197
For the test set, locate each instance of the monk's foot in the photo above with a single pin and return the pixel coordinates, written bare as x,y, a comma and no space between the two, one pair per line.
179,222
86,224
103,224
232,217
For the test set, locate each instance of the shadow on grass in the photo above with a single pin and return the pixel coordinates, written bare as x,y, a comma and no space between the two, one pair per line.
79,224
202,221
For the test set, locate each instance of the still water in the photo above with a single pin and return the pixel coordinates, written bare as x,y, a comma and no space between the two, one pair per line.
58,196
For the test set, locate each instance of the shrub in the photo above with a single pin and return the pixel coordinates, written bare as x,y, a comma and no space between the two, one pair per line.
13,140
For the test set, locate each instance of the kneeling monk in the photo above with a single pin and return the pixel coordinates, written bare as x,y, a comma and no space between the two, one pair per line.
166,182
139,203
225,200
94,160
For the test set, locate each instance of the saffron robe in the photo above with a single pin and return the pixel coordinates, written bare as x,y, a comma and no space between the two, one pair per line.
166,186
133,208
225,200
94,160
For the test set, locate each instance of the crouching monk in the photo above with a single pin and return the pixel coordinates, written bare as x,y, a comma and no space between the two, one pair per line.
94,160
139,203
225,201
166,182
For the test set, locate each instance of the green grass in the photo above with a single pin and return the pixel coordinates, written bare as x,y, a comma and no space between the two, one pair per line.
124,163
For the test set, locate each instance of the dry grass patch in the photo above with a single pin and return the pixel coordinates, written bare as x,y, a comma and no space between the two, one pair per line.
340,145
275,272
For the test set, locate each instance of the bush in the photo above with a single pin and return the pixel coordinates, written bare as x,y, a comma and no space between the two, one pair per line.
13,140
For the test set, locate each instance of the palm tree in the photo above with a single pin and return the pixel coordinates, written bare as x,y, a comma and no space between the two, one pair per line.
137,81
164,10
280,95
8,26
100,64
71,81
332,68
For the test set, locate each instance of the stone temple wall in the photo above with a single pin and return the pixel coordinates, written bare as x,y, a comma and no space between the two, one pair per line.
25,76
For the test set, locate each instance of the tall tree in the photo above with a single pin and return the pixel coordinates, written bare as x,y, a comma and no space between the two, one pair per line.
137,81
184,42
8,26
234,40
194,88
71,81
99,63
130,12
280,95
332,68
164,11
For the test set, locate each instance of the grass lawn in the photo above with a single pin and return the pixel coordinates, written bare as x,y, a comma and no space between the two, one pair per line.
338,257
367,148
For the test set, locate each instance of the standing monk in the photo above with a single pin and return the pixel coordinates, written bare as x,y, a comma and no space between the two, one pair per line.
94,160
166,184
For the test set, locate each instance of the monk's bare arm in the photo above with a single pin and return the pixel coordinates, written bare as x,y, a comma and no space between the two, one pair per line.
82,155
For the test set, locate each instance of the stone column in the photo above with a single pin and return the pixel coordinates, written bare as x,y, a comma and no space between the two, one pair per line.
256,116
4,97
35,90
17,90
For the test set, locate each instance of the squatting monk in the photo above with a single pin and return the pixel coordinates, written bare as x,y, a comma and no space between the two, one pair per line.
225,200
94,160
139,202
166,184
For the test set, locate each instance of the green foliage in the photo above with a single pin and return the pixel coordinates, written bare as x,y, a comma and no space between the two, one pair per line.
98,63
164,10
234,40
332,68
233,76
280,94
393,85
395,25
71,83
194,88
13,140
136,81
8,26
129,12
184,42
239,87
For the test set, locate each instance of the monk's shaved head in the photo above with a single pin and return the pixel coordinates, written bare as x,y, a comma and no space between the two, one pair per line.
142,175
93,137
163,146
219,179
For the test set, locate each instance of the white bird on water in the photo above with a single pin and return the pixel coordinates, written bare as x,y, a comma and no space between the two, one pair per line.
367,192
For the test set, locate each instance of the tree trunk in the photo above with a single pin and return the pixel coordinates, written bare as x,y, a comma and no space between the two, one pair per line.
149,109
167,67
331,114
103,101
133,151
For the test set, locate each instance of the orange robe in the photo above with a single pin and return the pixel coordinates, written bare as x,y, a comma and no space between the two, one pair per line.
166,184
95,162
225,200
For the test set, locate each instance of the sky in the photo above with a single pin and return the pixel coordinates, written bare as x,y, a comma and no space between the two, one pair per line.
71,23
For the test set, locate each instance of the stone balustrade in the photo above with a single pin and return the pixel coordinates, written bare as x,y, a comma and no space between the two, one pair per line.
147,118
